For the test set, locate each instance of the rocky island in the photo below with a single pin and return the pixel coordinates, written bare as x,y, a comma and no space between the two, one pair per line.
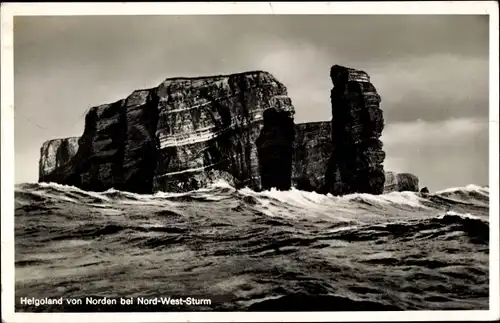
188,132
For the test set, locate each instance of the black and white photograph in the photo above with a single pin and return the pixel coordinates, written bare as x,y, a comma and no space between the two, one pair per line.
267,161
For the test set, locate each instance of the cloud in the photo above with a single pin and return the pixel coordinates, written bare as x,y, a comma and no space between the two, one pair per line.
433,68
304,70
434,87
439,133
443,154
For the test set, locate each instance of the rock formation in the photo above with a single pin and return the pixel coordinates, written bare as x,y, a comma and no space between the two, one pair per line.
55,153
400,182
275,149
189,132
357,123
425,190
312,151
181,135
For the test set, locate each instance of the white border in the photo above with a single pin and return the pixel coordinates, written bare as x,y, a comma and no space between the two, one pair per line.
7,147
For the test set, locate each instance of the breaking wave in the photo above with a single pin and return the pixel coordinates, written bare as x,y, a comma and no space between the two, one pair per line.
247,250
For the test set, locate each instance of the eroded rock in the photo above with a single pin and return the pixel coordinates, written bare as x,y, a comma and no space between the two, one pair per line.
176,136
400,182
312,151
55,153
275,150
356,162
189,132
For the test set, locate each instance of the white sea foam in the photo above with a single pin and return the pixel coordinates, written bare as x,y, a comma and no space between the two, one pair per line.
69,188
462,215
312,201
400,198
220,183
404,198
468,188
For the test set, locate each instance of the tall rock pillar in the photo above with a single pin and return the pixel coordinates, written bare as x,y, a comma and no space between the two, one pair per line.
355,165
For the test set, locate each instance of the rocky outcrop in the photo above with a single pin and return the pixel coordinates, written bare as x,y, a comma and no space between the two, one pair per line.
356,162
275,149
312,151
189,132
55,153
179,136
400,182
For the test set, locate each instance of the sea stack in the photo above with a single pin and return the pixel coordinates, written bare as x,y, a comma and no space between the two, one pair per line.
356,162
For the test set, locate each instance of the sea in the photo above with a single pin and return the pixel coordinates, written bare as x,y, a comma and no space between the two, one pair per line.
227,249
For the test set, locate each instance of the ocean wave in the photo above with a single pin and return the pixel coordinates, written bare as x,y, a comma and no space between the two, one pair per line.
221,190
305,302
260,251
473,227
468,188
464,216
470,194
351,215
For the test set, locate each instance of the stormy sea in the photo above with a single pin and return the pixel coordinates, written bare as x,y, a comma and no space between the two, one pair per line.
250,251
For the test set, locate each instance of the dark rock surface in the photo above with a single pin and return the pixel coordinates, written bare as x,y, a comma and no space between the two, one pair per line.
425,190
356,163
179,136
400,182
312,151
189,132
275,150
55,153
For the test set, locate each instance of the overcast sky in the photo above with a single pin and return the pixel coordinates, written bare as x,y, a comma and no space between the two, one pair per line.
431,72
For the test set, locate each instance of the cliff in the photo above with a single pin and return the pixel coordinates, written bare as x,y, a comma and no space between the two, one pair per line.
400,182
178,136
275,150
189,132
312,151
356,162
55,153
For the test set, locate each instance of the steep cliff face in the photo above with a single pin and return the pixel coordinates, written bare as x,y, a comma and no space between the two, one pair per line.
356,162
55,153
275,149
117,148
213,124
312,151
400,182
189,132
180,136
